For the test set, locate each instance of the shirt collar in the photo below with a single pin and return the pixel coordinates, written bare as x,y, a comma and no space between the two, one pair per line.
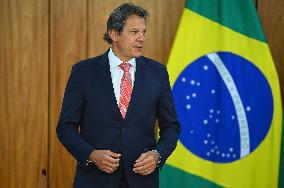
114,61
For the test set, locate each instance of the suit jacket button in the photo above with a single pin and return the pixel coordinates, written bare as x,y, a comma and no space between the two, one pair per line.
123,130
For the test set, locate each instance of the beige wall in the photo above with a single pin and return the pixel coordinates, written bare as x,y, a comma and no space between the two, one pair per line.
39,41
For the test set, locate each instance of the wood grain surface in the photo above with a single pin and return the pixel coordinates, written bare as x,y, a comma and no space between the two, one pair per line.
23,92
67,46
272,18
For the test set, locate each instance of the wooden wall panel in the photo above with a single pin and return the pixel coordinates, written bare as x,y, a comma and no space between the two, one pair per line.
98,13
162,25
23,92
67,46
272,18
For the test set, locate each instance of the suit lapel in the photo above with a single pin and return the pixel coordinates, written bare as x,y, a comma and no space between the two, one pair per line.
138,86
105,77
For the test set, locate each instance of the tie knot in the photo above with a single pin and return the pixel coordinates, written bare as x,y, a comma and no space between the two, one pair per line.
125,66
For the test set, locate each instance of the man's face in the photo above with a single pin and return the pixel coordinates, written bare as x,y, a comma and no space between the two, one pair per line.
129,43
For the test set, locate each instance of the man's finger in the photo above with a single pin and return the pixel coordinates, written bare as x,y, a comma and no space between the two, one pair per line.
112,165
146,172
145,167
112,154
141,158
111,159
143,162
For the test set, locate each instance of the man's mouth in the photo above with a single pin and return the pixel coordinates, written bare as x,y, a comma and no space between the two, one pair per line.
138,47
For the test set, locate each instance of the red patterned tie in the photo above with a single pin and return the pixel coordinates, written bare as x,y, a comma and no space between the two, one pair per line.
125,88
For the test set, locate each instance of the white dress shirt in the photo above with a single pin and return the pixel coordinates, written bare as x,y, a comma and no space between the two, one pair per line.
117,72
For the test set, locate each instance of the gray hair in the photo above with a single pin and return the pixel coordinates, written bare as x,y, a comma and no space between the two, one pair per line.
118,17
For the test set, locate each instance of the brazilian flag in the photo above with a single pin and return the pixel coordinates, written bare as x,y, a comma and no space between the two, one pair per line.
227,97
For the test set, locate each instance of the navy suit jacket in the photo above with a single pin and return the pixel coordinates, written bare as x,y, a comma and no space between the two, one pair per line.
90,119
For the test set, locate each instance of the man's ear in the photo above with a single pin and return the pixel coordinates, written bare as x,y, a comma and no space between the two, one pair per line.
113,35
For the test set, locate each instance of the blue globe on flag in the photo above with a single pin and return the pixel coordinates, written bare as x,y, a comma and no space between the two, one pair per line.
225,106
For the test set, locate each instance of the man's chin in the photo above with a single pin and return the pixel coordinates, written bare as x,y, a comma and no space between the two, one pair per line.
137,54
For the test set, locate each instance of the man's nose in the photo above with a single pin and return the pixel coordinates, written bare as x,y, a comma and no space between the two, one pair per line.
141,37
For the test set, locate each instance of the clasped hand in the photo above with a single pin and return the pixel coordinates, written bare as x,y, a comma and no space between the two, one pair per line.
146,163
105,160
108,161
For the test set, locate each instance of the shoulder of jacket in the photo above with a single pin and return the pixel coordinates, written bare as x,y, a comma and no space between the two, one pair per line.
152,62
87,63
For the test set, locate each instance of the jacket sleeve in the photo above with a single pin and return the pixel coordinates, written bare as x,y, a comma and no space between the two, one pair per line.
71,116
167,120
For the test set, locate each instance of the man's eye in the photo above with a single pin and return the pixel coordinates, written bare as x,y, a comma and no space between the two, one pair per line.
134,32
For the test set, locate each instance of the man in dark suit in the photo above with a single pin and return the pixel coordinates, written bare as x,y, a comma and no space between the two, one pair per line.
111,102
